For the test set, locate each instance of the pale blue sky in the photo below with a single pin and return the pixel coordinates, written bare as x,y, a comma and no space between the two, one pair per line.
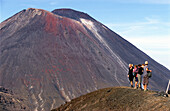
145,23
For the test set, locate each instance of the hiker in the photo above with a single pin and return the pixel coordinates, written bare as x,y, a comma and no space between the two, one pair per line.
139,75
135,72
145,76
130,74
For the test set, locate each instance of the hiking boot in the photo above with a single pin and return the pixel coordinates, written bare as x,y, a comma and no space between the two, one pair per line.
146,90
131,86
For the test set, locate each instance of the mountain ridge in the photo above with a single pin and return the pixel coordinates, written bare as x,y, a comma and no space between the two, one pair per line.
117,99
73,14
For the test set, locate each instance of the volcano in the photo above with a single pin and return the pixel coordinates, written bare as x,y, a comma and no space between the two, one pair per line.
53,57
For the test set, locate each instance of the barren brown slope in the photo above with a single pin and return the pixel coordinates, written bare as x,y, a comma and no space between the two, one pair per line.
118,99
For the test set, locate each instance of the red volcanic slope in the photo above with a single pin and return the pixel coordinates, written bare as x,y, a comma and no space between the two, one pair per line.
51,57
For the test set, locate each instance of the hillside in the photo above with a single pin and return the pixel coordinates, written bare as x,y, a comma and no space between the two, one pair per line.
118,99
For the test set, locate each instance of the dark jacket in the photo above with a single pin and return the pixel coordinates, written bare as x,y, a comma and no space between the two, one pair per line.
140,70
130,73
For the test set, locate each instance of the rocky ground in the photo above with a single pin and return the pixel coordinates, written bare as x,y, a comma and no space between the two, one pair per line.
10,101
119,99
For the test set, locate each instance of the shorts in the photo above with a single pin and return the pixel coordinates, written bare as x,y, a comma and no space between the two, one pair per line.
145,80
136,79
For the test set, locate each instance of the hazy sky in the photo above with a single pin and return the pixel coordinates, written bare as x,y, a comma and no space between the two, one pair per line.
144,23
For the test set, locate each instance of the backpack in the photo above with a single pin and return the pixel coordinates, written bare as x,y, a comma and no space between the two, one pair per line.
136,71
149,74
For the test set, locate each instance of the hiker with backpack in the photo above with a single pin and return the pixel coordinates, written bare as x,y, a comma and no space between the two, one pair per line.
146,75
135,72
130,74
139,75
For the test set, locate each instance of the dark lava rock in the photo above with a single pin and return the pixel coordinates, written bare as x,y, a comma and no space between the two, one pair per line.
11,102
161,93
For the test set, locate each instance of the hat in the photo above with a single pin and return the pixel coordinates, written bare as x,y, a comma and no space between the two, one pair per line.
139,64
146,62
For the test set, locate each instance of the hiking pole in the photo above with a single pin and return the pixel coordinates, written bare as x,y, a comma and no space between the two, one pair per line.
167,87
